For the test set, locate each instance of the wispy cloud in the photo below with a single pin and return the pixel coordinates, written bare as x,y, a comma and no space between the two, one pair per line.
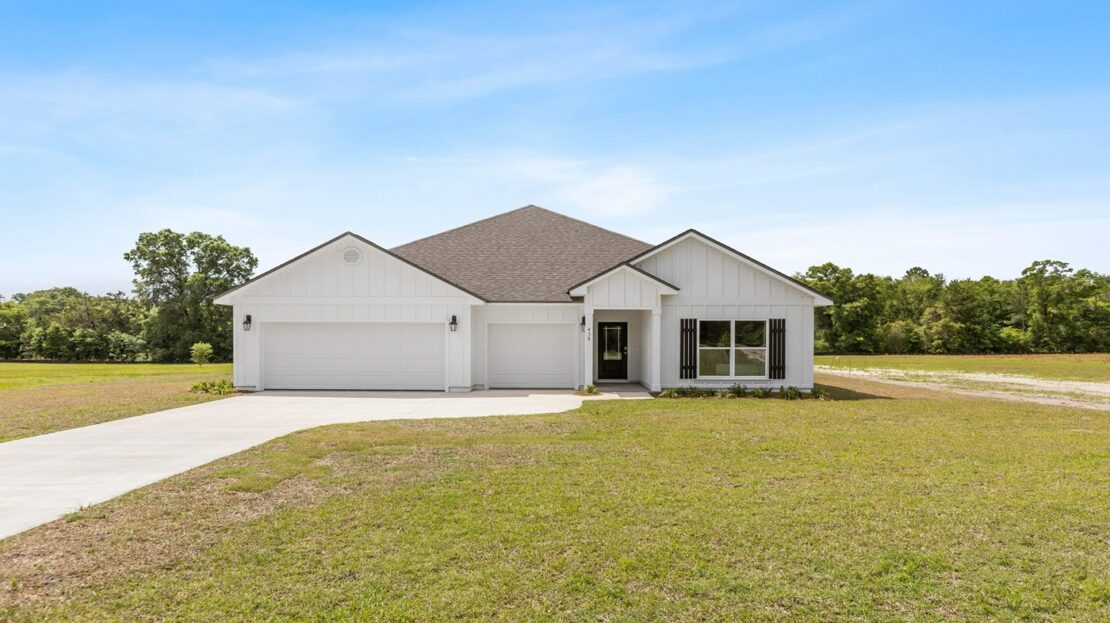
436,63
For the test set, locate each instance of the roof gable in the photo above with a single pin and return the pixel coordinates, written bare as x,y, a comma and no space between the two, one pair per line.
693,234
624,267
273,278
526,255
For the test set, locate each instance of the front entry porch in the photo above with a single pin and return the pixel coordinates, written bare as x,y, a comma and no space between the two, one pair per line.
623,349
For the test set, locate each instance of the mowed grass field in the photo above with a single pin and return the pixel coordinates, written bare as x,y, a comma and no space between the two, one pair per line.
892,504
37,398
1086,367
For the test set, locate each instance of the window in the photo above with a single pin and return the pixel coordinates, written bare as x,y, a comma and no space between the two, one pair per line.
732,348
612,342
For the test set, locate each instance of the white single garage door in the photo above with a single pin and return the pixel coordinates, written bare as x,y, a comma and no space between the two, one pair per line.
532,355
341,355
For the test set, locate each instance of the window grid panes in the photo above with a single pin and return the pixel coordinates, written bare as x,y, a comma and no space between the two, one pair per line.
732,348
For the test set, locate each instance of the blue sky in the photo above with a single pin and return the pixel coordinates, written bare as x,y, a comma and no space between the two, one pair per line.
969,138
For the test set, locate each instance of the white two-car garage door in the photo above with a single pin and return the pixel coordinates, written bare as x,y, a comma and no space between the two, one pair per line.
341,355
532,355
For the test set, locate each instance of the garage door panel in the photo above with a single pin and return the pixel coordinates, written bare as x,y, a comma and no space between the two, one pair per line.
532,355
353,356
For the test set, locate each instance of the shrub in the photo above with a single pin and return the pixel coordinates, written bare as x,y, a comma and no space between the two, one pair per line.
221,387
688,392
201,353
790,393
738,391
589,390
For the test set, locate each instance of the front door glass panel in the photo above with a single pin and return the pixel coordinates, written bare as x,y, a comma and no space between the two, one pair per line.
612,350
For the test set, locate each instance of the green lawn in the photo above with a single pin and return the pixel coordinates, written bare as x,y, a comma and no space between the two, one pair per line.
20,374
1094,367
892,505
37,398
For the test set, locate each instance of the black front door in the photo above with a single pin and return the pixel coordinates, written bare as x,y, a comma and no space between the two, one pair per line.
612,350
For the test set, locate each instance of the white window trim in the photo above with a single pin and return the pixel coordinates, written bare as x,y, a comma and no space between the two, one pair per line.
732,349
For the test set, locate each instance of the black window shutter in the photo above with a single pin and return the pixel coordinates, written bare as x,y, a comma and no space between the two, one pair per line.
777,350
688,349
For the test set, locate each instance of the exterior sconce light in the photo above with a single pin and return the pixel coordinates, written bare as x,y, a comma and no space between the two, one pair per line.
247,323
454,324
582,325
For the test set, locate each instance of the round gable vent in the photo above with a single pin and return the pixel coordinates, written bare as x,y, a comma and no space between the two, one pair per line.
352,256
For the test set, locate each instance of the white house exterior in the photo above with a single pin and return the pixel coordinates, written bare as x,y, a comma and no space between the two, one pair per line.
511,302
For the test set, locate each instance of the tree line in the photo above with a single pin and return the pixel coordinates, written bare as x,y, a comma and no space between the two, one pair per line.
1050,308
176,277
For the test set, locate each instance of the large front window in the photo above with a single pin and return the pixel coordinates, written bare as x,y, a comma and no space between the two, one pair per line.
732,348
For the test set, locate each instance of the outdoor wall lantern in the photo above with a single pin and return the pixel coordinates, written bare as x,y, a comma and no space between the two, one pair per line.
582,325
247,323
454,324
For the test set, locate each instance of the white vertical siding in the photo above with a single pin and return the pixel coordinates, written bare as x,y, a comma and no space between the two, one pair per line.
624,290
321,287
714,285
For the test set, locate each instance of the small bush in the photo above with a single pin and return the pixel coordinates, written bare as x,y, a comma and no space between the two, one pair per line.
201,353
589,390
693,392
790,393
738,391
221,387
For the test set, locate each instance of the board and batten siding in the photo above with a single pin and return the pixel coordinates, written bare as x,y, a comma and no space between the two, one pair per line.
714,285
624,289
516,313
322,287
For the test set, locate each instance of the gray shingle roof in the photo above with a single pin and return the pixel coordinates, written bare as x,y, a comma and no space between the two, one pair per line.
527,255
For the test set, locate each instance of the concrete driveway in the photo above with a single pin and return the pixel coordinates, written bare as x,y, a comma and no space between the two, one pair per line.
45,477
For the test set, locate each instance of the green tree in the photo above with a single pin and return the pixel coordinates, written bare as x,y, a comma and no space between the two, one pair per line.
89,345
43,306
911,295
13,323
852,324
900,337
200,353
125,347
177,276
103,314
56,343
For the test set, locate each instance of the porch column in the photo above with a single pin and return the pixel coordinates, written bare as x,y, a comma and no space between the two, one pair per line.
656,368
588,349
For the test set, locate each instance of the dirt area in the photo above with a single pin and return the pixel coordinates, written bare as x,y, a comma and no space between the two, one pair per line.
1083,394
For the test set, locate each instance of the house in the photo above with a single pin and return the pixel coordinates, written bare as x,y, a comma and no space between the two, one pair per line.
525,299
